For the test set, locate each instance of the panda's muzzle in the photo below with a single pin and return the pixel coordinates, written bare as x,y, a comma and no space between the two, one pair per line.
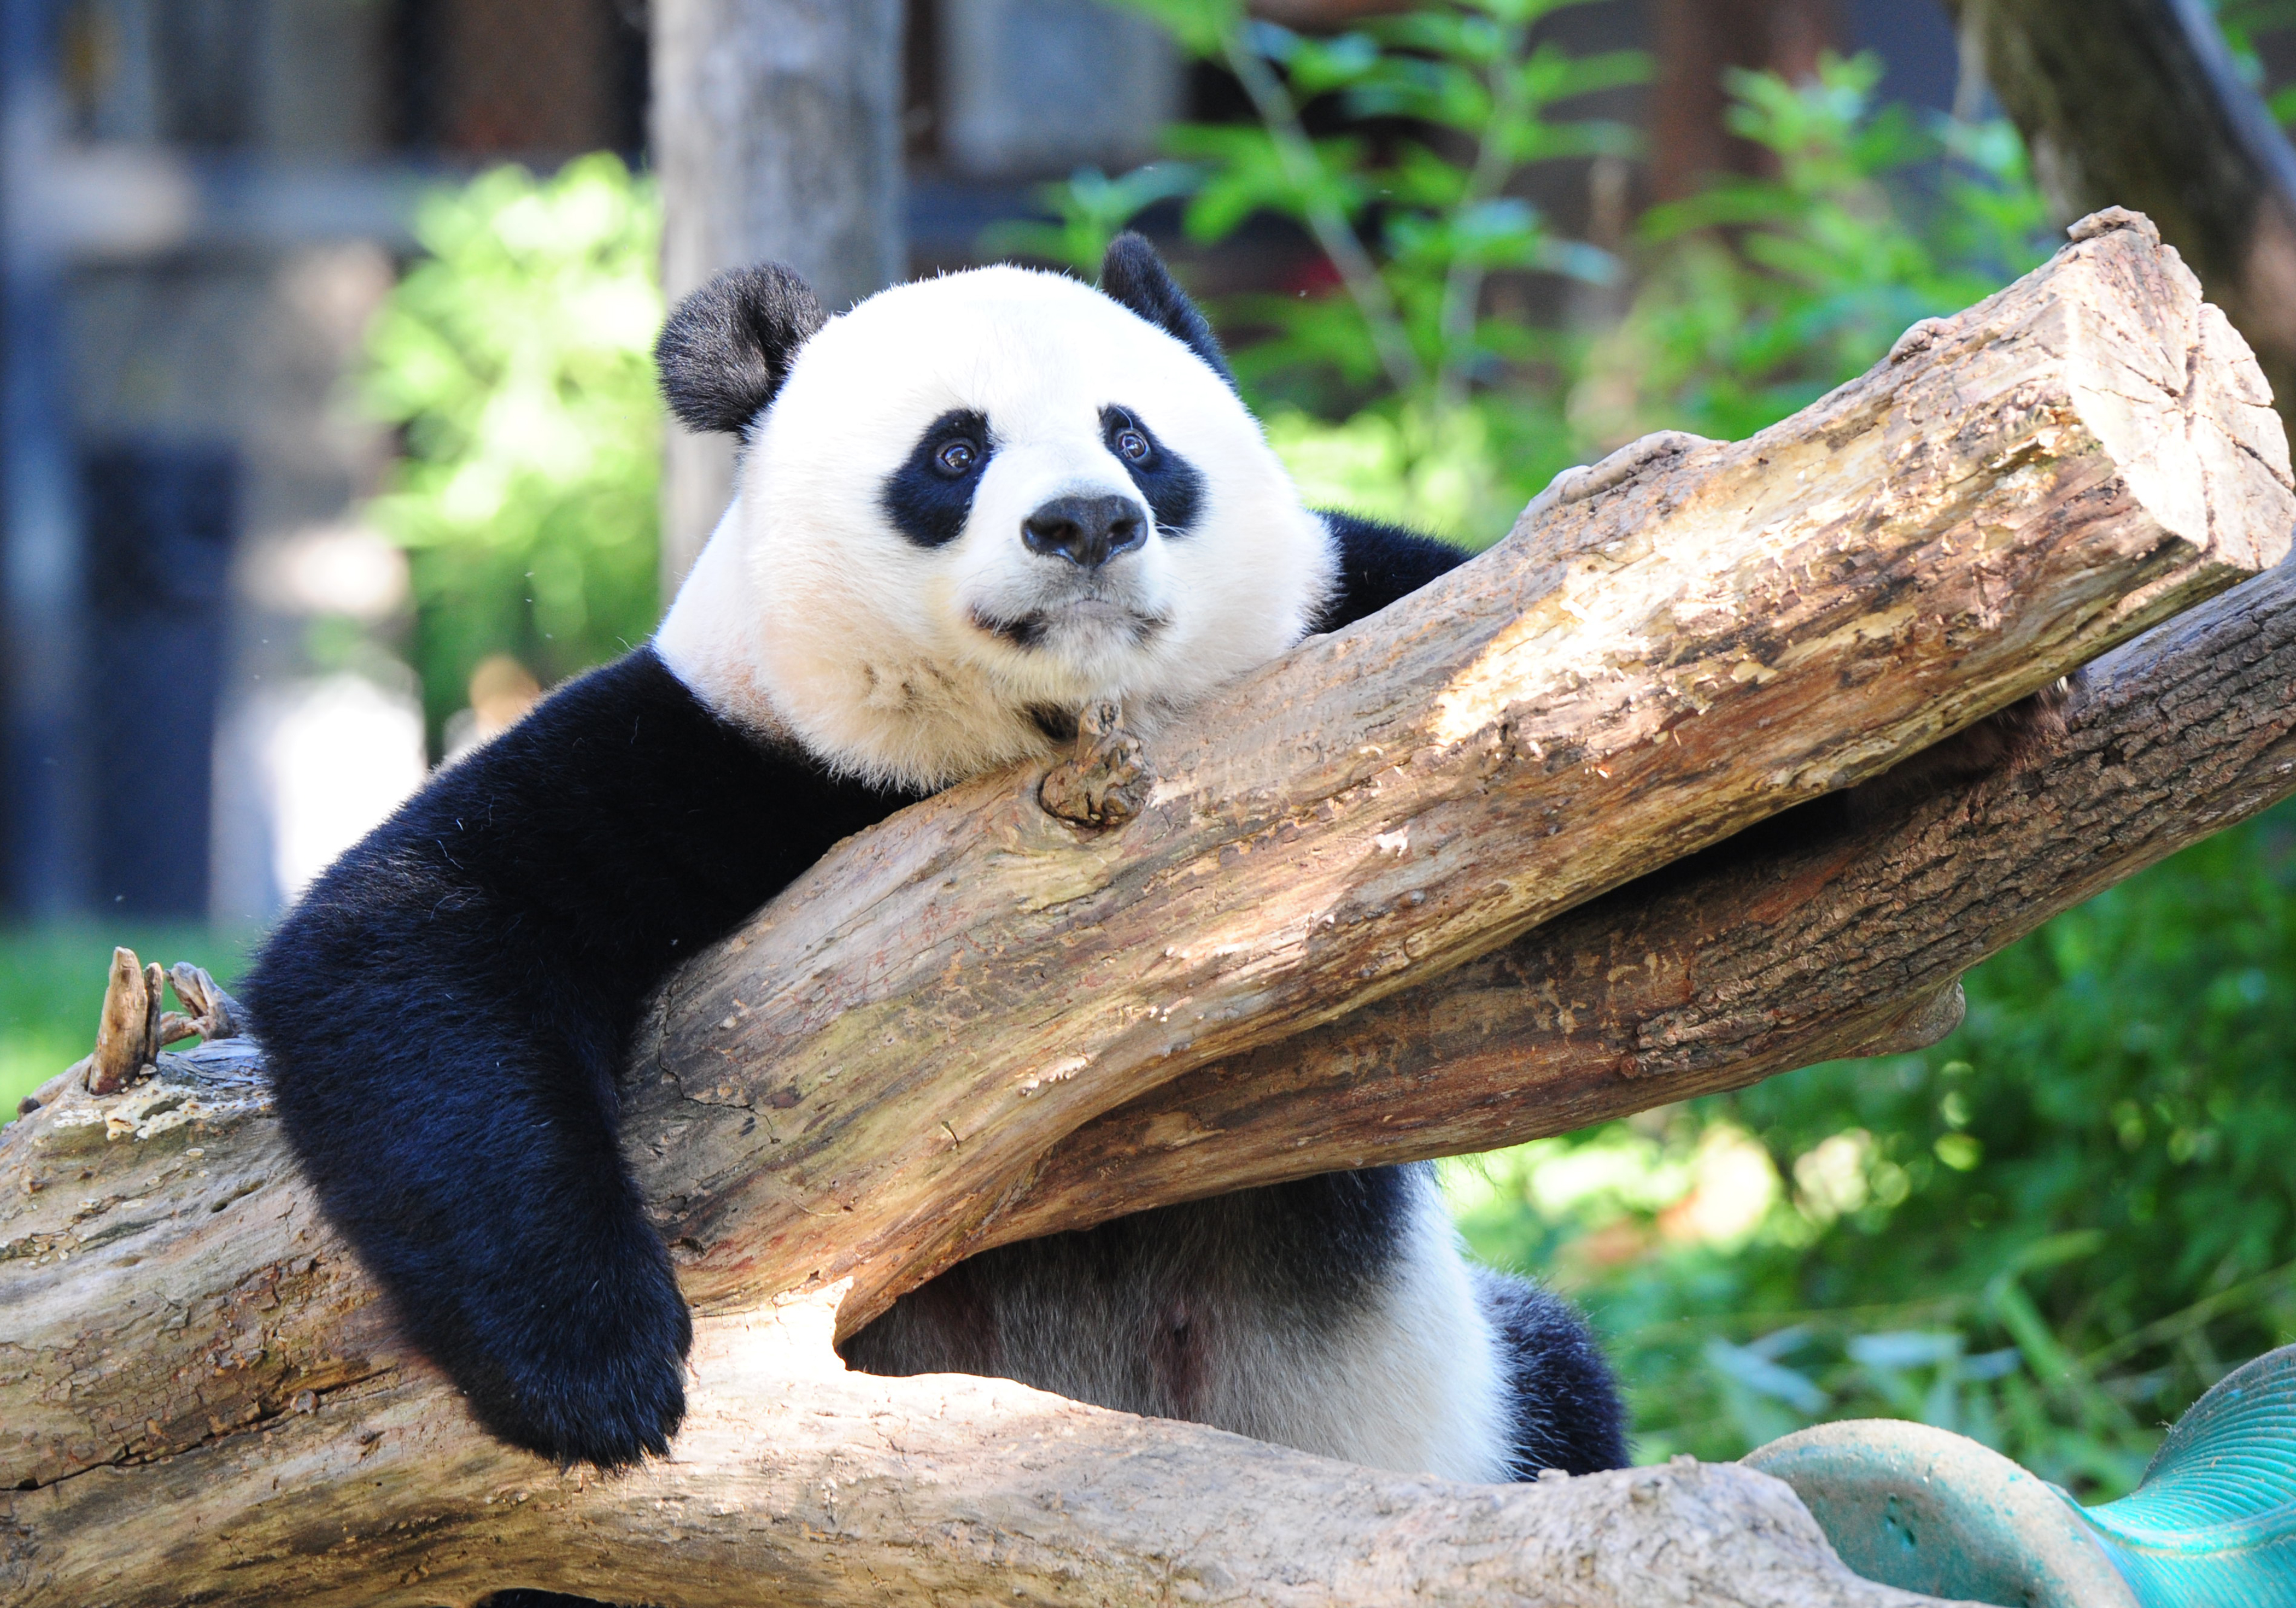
1086,530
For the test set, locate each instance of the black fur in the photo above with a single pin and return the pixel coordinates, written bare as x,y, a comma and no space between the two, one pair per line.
1133,275
1174,489
1380,564
1568,1414
728,346
1130,1315
447,1008
927,499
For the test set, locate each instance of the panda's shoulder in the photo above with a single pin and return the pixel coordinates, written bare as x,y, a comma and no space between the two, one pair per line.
618,791
1376,563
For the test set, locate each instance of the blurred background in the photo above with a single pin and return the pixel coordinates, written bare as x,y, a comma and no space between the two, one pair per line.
330,443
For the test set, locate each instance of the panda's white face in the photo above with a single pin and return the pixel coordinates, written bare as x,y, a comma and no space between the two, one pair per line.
979,503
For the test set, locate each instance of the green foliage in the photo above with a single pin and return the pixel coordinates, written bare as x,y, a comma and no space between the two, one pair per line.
1092,210
1764,294
2051,1231
2243,24
51,984
1473,103
517,358
1452,417
1395,391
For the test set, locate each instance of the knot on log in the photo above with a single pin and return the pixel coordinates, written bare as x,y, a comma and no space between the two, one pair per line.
1105,782
1918,338
1577,485
2111,219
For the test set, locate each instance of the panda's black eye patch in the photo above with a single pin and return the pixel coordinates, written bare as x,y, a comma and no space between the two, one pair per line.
1170,483
929,495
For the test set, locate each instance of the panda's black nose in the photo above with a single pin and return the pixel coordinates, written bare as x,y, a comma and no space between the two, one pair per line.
1086,530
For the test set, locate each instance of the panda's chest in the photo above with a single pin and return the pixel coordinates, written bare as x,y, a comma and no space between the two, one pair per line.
916,687
942,716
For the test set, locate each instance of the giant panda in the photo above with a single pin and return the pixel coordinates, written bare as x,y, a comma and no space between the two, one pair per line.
965,509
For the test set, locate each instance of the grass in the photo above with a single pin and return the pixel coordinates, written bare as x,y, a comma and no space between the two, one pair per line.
51,987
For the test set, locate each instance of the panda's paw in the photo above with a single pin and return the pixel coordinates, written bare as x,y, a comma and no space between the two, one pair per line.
626,1414
606,1388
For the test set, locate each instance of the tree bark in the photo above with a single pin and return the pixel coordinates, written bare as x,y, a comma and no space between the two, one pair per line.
2136,104
202,1398
776,135
1830,937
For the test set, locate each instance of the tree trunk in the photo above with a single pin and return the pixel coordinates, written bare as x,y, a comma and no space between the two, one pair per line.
1696,42
202,1398
776,135
2136,104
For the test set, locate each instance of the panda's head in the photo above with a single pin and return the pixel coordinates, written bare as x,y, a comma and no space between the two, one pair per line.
973,504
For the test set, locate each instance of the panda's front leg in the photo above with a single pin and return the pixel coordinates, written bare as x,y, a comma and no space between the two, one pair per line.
462,1139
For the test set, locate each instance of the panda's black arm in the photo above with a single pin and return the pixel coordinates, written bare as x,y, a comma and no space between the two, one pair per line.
1379,563
446,1013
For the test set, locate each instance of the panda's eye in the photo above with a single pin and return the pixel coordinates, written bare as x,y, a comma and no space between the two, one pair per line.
957,457
1131,445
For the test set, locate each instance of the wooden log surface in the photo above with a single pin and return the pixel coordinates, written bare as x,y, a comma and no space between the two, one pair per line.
201,1399
1839,936
798,1481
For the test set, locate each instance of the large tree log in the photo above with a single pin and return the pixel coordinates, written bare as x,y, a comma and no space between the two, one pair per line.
803,1484
204,1400
1837,936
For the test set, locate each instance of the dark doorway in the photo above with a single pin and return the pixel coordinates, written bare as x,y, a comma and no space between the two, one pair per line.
161,518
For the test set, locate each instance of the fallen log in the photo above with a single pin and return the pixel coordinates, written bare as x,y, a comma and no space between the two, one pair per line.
1832,937
855,1079
201,1399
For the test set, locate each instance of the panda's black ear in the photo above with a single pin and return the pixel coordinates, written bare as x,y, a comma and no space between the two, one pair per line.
1135,276
728,346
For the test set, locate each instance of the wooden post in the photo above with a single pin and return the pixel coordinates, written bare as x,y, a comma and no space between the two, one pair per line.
776,135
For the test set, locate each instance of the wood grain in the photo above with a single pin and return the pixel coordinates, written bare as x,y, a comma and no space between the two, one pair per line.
1837,935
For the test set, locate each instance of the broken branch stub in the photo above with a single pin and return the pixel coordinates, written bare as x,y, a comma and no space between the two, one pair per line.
848,1086
128,1029
133,1026
1106,782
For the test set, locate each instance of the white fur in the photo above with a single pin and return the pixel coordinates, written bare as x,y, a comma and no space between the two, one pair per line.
1415,1380
810,613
